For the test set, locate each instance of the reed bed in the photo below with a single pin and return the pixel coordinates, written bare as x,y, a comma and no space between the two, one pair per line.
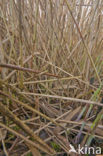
51,61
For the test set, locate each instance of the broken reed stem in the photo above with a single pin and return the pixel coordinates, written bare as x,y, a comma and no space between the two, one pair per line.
30,142
40,144
82,101
26,69
31,109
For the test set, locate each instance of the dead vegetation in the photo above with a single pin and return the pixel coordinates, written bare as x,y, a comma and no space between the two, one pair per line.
51,60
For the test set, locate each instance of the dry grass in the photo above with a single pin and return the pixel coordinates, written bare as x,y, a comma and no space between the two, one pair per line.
51,60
